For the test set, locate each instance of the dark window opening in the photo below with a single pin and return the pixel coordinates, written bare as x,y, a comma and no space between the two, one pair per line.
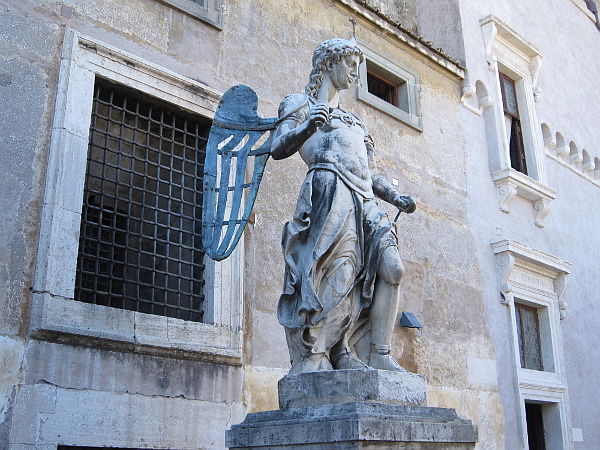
528,332
535,426
513,123
382,88
140,243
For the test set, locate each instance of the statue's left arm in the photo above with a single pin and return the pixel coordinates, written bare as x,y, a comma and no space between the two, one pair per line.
382,188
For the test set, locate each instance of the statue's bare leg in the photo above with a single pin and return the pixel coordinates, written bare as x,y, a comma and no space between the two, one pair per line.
384,310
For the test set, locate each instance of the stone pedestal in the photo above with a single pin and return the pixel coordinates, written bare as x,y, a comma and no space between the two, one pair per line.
353,409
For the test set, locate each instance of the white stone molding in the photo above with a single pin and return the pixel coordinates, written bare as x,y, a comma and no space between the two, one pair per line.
505,263
560,287
523,269
534,67
490,30
469,92
542,207
507,191
54,311
583,164
476,92
574,156
586,162
549,139
562,149
511,54
537,279
510,183
483,96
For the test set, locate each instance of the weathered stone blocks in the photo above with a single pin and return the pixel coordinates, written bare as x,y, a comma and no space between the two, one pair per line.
341,386
353,409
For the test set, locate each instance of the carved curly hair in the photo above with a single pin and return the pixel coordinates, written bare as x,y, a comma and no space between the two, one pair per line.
334,50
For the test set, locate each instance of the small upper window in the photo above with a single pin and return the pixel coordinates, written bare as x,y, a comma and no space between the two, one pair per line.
209,11
513,124
389,87
382,88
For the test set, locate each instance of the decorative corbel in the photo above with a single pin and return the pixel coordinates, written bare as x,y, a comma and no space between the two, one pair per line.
485,102
504,265
549,142
506,193
468,92
490,30
562,149
560,287
534,67
542,207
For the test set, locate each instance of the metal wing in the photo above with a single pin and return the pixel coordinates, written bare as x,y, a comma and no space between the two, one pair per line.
231,153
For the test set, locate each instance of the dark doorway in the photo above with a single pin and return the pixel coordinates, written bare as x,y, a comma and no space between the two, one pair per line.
535,426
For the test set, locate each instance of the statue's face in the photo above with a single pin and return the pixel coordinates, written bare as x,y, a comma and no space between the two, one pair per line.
344,72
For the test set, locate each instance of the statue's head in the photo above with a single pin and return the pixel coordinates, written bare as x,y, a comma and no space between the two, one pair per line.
332,50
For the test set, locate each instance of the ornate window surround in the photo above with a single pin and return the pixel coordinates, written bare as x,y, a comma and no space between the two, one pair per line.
535,278
54,312
507,50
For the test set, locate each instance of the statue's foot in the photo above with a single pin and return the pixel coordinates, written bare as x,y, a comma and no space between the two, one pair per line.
311,363
381,359
345,360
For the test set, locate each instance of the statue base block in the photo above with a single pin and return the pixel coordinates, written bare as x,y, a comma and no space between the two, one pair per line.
383,410
342,386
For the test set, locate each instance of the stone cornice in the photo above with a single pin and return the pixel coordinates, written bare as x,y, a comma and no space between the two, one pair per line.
539,257
373,15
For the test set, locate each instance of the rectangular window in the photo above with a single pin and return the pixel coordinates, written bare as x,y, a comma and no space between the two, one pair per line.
390,87
513,124
140,245
528,333
382,88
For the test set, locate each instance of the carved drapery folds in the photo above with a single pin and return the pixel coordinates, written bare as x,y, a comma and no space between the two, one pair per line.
529,273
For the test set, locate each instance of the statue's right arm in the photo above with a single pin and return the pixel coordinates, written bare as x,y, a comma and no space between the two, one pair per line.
294,127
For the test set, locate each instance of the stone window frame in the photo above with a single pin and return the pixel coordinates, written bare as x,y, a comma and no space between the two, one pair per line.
509,53
538,279
55,314
209,11
404,78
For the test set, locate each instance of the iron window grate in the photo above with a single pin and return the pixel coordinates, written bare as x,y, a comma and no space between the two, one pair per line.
140,244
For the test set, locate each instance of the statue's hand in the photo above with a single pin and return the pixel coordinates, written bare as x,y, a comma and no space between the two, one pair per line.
319,114
405,203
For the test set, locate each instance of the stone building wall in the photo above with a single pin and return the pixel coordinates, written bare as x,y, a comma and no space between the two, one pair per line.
141,389
567,80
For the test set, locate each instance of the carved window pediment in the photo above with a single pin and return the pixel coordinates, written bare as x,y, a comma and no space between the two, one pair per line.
527,272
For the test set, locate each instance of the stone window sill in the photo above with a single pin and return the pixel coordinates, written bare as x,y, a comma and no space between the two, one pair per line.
209,11
67,320
510,183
